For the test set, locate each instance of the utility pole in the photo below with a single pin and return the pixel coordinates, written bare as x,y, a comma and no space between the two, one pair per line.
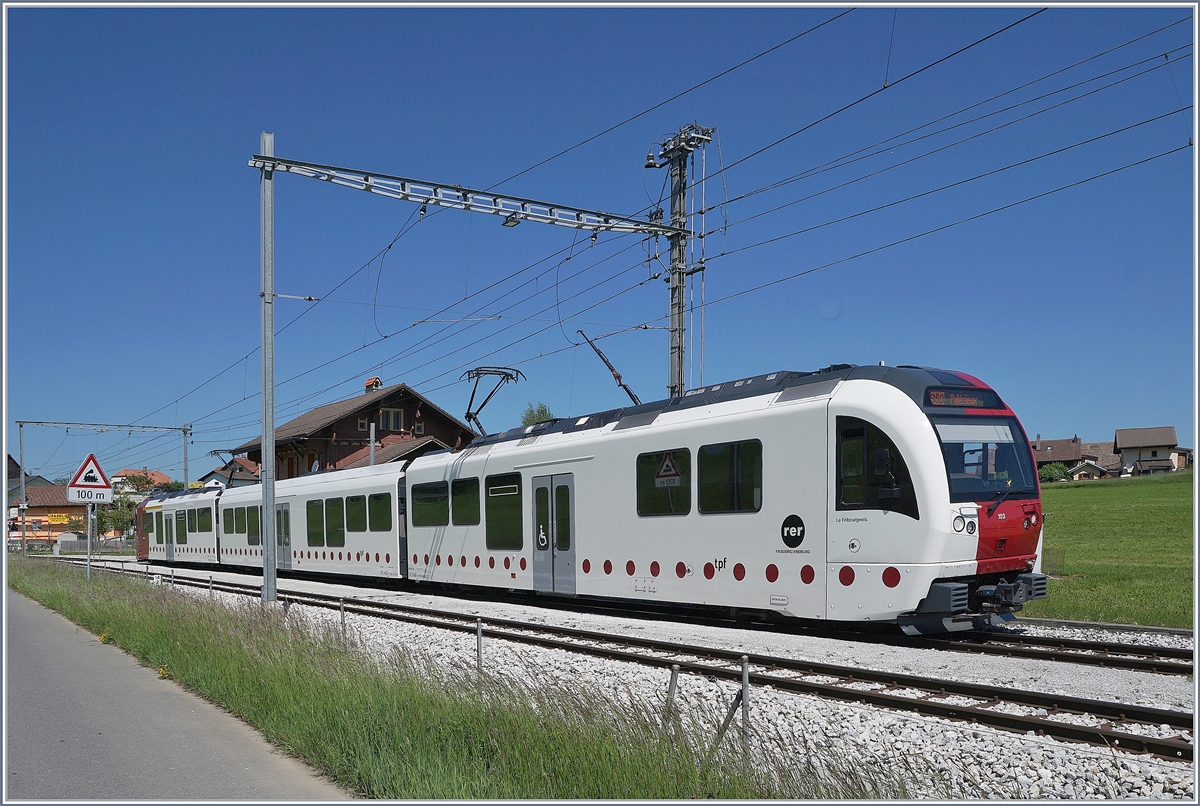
266,189
674,153
23,507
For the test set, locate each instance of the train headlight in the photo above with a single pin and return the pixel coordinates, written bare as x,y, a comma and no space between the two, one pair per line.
970,527
960,523
1034,519
1026,524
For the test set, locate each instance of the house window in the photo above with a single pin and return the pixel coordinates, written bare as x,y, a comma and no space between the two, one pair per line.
419,428
392,419
362,424
1153,454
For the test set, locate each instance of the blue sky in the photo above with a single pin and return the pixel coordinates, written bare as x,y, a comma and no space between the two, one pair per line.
132,226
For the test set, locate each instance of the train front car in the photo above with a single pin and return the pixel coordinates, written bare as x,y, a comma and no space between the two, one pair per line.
937,511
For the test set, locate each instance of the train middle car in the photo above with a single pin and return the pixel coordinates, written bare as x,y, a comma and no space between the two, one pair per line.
904,495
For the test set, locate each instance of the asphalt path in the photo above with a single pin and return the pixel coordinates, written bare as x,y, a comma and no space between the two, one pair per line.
85,721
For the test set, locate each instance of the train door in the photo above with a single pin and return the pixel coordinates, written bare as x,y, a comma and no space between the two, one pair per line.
402,526
554,533
169,545
283,536
181,527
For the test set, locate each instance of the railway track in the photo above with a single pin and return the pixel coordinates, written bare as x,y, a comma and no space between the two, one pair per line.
1137,729
1112,655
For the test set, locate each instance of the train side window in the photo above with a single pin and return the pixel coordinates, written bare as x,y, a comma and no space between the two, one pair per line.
204,519
158,528
315,512
227,520
379,510
356,513
503,512
191,520
464,501
431,504
871,472
180,528
729,477
148,522
664,482
335,525
252,533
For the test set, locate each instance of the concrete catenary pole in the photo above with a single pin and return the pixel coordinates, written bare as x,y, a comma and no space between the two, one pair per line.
266,187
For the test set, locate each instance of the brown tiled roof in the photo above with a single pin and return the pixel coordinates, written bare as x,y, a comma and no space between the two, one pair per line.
155,476
1057,450
1103,451
1145,437
313,421
50,495
1154,464
400,450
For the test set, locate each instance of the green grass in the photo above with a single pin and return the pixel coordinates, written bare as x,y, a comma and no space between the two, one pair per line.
395,728
1119,550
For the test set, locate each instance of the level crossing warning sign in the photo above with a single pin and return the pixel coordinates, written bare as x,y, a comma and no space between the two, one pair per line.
89,485
668,474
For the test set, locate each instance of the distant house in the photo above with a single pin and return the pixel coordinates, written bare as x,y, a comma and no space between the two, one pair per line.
1087,470
337,435
156,478
1048,451
14,477
1145,451
46,515
237,472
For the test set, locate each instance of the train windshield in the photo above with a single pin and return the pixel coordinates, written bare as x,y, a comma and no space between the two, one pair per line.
986,458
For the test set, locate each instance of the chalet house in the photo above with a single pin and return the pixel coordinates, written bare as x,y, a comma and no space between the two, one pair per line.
47,513
337,435
237,472
1067,451
1149,450
1087,470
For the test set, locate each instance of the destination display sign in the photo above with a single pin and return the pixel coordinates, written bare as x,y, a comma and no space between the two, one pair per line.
963,398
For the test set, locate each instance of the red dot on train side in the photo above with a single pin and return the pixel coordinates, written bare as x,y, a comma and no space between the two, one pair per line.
654,568
507,564
450,559
739,572
608,566
772,573
463,561
522,563
846,575
891,577
387,558
476,560
807,574
680,570
587,566
709,570
630,568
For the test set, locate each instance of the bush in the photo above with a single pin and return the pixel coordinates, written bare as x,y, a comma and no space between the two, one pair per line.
1055,471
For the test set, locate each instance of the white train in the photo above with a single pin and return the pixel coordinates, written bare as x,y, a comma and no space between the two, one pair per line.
890,494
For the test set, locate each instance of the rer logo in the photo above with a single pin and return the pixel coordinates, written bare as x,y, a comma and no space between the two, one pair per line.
792,531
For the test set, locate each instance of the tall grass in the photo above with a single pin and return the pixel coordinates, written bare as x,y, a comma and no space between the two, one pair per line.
396,727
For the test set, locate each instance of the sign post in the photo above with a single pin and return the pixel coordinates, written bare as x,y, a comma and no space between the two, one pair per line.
89,486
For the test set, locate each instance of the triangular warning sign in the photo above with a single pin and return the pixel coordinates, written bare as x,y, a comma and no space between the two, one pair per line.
667,469
90,476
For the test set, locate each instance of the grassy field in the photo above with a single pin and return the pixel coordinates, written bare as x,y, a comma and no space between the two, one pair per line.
1119,550
392,728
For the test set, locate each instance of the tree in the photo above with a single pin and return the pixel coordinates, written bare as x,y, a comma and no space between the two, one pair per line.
139,482
171,486
77,524
536,414
62,481
1055,471
116,517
